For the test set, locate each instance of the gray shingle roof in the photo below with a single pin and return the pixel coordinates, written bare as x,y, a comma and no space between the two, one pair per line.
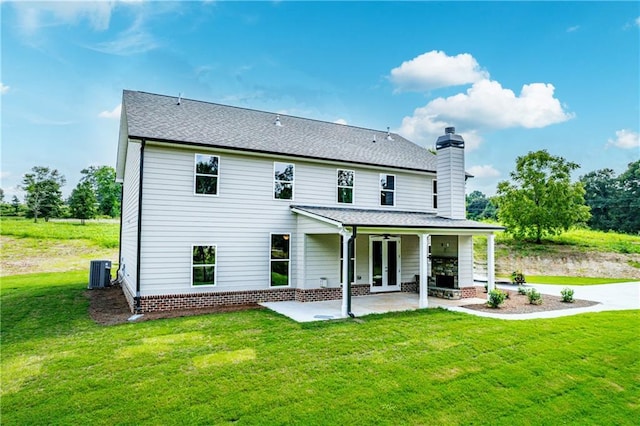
158,117
395,219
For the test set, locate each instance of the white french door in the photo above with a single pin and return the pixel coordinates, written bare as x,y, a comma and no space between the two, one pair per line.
384,263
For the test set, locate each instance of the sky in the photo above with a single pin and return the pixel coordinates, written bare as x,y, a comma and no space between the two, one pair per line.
512,77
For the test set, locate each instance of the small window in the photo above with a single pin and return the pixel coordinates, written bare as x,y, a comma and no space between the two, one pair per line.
206,174
203,265
345,186
280,260
435,194
352,260
387,189
283,181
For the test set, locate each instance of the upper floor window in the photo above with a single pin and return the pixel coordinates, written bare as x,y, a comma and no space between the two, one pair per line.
203,265
280,265
435,194
206,174
345,186
387,189
283,177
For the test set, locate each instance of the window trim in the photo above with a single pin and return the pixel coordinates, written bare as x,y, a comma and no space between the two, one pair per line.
380,189
215,266
271,234
195,174
273,178
352,187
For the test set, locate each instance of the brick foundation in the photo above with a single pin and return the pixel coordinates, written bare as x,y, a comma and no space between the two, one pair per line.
468,292
228,298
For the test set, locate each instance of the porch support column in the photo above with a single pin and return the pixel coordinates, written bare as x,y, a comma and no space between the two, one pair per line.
346,236
425,242
491,269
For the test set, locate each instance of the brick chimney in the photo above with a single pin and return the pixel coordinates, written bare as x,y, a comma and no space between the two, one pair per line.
451,175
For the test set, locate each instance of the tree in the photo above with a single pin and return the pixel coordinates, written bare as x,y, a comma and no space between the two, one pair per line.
44,197
541,199
83,202
629,201
480,207
614,201
602,196
107,191
15,203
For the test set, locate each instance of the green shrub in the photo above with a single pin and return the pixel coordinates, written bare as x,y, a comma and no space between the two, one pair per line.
535,298
522,290
496,298
517,277
567,295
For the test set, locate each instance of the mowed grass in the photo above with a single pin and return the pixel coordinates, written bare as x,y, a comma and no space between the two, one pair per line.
550,279
256,367
105,234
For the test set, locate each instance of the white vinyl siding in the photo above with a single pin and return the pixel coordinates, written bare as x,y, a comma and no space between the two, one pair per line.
410,250
240,217
465,261
129,217
321,260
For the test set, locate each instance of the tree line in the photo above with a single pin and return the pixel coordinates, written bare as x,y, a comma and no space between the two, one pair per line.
540,199
97,194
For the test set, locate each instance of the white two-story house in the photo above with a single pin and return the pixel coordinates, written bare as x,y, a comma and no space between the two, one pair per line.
225,205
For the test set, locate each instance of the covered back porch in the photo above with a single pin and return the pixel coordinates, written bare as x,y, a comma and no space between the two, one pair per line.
388,251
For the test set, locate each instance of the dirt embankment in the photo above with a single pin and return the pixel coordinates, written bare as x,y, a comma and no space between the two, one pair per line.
567,262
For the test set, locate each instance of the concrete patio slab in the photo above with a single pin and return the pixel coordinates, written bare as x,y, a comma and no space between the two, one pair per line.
610,297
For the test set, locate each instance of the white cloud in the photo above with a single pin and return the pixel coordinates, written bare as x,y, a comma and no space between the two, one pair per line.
4,88
132,41
485,171
341,121
625,139
485,105
573,29
114,113
34,16
435,69
637,21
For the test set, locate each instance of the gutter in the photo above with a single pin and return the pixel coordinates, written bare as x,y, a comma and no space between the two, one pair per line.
138,251
118,277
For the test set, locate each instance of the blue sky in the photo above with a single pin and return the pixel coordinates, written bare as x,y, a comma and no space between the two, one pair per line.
511,77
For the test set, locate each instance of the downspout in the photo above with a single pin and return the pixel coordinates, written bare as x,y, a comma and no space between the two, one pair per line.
118,278
351,273
137,298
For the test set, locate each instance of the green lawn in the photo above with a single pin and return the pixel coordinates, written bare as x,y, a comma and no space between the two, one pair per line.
550,279
256,367
103,233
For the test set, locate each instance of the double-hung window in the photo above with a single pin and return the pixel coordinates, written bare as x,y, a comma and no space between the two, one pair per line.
203,265
435,194
387,189
280,259
345,186
283,179
206,174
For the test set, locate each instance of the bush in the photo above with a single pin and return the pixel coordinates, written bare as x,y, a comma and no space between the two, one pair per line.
496,298
517,277
535,298
522,290
567,295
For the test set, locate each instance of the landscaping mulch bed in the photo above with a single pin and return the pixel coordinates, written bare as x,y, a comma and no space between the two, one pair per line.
519,304
108,306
